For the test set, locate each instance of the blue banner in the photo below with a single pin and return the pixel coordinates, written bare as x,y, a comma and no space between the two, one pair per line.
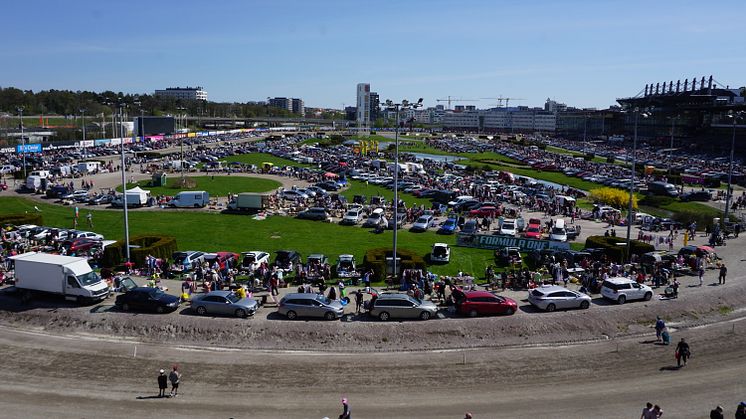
28,148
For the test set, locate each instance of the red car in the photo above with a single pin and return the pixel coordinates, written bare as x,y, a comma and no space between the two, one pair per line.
81,244
533,231
485,211
483,302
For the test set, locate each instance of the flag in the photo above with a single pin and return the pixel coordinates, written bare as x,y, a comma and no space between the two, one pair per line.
41,120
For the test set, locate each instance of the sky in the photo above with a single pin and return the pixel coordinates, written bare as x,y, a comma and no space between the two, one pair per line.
583,53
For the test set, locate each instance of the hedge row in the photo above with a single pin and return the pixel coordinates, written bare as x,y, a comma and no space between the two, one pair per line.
161,247
375,259
615,252
19,219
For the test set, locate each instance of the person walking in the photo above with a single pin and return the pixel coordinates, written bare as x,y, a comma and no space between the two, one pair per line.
646,411
721,275
660,325
346,412
741,411
358,301
162,383
682,352
657,412
174,377
716,413
89,217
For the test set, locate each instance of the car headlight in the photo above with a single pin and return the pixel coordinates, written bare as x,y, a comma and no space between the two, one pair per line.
174,304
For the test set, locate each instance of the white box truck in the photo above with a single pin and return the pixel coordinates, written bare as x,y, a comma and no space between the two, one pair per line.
68,276
136,197
190,199
249,202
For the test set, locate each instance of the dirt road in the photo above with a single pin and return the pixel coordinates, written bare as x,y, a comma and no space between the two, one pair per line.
86,376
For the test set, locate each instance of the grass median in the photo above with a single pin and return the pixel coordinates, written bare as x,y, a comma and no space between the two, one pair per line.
214,185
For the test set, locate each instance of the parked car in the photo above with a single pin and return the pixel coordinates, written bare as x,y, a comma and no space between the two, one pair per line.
147,299
703,196
296,305
188,259
508,228
622,290
253,259
346,267
222,258
79,245
470,227
448,227
78,234
287,259
532,232
506,255
374,219
402,306
399,221
440,253
314,213
102,199
483,302
552,297
423,223
292,195
485,211
223,302
352,217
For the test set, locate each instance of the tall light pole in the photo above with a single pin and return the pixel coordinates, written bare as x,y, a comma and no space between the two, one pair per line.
670,148
632,184
23,140
397,107
734,116
124,183
585,131
181,142
82,118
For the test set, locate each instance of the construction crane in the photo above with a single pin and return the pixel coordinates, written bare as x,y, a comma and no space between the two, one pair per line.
450,99
501,99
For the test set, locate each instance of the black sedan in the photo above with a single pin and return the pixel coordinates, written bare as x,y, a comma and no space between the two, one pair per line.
147,299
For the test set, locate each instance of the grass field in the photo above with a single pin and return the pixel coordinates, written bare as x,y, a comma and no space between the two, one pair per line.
259,158
558,150
199,230
214,185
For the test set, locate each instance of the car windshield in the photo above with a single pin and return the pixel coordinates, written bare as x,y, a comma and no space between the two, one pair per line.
232,298
155,293
88,279
533,230
508,226
352,213
558,230
421,220
324,300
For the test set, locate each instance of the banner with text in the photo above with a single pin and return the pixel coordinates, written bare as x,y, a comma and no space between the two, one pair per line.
487,241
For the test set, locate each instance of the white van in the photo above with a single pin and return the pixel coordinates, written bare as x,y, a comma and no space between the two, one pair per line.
191,199
558,233
40,173
33,183
88,166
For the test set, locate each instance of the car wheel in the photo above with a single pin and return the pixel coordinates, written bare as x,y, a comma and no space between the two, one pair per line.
160,310
509,312
551,307
425,315
241,313
384,316
622,299
329,316
584,305
201,311
473,313
125,307
648,296
291,315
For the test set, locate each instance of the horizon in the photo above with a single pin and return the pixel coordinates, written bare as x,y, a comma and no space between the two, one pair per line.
246,52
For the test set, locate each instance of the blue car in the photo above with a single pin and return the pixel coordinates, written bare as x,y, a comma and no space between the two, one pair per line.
448,227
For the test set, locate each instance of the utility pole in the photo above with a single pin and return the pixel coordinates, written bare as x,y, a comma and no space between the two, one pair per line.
23,140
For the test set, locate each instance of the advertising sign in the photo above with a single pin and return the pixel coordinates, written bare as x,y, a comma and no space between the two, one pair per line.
28,148
487,241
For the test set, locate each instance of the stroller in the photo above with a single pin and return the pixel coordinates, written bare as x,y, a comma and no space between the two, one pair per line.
671,292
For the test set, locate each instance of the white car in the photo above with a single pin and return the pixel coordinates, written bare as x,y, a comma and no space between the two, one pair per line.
508,228
253,259
76,234
460,199
7,169
423,223
552,297
440,253
352,216
622,290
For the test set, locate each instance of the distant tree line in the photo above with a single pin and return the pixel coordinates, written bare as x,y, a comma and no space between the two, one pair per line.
66,102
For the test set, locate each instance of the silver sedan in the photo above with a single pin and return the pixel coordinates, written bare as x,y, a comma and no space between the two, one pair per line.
224,302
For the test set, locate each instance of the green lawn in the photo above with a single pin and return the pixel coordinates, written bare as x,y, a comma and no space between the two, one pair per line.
259,158
199,230
357,187
214,185
596,159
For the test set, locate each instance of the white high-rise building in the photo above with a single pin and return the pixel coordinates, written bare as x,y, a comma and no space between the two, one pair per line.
184,93
363,106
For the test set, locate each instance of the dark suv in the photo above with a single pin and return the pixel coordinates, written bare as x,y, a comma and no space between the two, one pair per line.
703,196
315,213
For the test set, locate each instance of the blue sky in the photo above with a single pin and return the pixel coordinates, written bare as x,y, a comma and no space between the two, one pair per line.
584,53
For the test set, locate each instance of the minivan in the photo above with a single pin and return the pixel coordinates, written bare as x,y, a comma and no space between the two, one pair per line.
191,199
558,232
296,305
623,289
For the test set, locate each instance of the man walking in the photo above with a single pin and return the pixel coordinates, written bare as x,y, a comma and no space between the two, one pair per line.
346,412
162,383
659,326
682,352
174,377
716,413
721,276
89,217
647,411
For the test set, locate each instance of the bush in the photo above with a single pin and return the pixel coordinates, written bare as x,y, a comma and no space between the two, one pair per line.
617,253
375,259
161,247
703,219
656,201
616,198
19,219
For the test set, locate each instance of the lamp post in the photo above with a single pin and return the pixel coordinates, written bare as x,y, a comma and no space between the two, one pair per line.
82,118
23,140
181,142
124,183
734,116
397,107
670,148
585,131
632,183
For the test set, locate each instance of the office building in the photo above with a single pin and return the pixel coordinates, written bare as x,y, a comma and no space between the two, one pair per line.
363,106
298,108
375,106
183,93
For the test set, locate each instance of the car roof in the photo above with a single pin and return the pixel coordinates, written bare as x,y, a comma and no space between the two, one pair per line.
550,288
219,293
620,280
471,294
302,295
394,296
